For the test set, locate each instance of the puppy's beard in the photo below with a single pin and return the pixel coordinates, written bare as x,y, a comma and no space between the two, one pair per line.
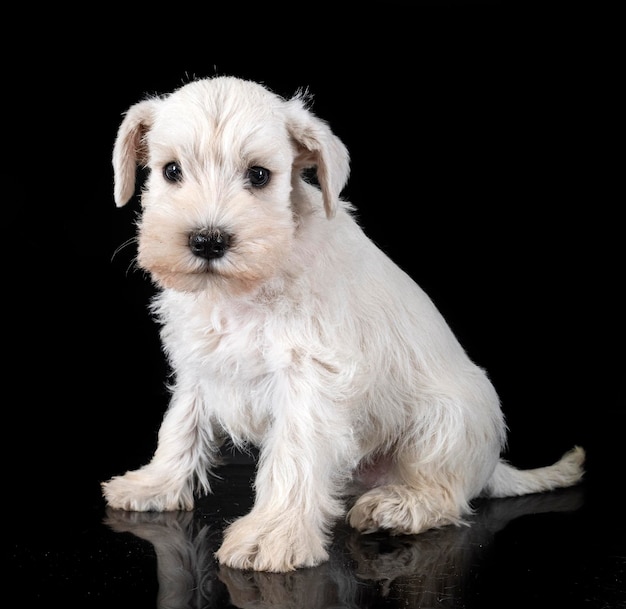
212,275
172,265
250,263
261,236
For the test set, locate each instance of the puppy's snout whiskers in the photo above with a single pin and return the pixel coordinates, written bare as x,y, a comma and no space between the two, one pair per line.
209,243
119,248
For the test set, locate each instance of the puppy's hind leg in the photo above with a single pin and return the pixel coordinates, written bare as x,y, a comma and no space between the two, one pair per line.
185,452
420,497
408,509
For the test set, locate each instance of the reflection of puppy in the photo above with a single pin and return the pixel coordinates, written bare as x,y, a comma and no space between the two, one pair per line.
436,564
420,570
185,563
289,329
311,588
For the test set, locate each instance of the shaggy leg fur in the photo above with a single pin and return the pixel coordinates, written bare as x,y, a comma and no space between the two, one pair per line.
185,454
297,498
400,509
404,509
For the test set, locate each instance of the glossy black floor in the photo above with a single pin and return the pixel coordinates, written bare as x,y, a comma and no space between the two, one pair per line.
560,549
477,164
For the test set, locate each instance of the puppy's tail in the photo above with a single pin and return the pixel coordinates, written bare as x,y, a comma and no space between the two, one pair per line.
508,481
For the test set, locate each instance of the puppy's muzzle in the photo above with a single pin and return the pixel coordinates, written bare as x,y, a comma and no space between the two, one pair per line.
209,243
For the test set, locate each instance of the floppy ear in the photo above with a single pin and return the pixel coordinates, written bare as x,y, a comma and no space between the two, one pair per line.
319,147
129,150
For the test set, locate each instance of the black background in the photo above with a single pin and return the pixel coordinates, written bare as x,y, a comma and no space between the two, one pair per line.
481,146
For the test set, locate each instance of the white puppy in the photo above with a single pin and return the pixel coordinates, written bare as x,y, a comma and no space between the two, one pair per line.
288,329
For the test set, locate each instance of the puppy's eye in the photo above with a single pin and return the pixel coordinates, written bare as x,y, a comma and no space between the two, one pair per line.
172,172
258,176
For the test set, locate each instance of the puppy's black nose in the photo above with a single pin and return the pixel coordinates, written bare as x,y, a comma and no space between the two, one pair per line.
209,243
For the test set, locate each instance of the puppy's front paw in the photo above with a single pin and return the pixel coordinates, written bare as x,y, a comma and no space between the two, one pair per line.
137,491
277,545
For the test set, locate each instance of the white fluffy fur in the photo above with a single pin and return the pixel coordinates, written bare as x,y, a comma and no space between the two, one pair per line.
304,339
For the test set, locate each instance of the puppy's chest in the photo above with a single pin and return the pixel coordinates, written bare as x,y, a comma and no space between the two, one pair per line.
228,346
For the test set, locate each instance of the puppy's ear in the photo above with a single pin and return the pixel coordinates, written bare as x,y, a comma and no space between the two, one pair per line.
130,150
319,147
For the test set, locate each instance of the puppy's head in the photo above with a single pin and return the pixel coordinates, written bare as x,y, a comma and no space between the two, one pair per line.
223,156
